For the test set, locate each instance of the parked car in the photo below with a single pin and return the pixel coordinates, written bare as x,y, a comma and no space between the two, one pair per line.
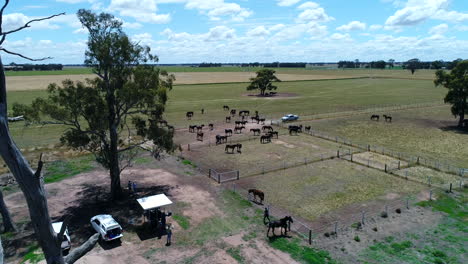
107,227
290,117
66,243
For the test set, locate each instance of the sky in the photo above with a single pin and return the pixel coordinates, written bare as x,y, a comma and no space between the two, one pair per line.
233,31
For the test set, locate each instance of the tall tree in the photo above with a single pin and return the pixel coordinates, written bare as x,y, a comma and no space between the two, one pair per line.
391,63
456,81
263,81
29,180
413,65
117,111
438,64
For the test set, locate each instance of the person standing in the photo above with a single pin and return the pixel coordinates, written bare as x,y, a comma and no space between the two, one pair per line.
266,216
169,234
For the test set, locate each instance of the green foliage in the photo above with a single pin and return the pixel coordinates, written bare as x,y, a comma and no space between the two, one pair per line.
235,253
33,255
61,169
182,220
249,236
449,205
302,253
189,163
357,239
456,81
263,81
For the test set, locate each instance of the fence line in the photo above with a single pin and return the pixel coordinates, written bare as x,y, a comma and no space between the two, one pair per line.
330,226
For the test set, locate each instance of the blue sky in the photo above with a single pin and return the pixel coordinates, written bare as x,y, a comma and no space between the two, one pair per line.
192,31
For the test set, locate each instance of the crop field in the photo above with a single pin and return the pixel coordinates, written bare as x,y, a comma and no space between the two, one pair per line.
316,189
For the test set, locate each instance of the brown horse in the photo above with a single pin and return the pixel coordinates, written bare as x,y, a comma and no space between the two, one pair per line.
200,136
265,138
256,193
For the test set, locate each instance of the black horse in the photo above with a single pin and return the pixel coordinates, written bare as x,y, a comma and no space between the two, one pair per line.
255,193
233,112
200,136
308,128
293,129
232,148
200,128
191,129
261,120
254,118
387,118
267,128
221,139
211,126
226,108
238,130
265,139
228,119
273,133
375,117
256,131
283,223
238,123
228,132
189,115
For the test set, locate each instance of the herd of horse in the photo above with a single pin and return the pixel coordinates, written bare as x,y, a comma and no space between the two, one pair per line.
377,118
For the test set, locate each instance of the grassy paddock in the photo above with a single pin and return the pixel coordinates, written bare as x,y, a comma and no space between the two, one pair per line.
319,188
426,132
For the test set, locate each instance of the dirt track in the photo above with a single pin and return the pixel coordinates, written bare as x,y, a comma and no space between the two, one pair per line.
21,83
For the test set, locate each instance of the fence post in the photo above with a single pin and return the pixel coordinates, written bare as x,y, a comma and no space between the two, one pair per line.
209,173
407,203
284,165
417,162
219,178
406,175
363,217
368,148
188,147
450,190
429,180
305,161
430,195
238,175
338,154
336,228
385,167
351,157
310,237
399,164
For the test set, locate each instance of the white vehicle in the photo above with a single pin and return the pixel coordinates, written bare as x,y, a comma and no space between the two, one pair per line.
290,117
66,243
107,227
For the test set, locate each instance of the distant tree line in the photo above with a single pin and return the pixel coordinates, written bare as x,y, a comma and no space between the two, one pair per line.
34,67
208,65
258,64
413,64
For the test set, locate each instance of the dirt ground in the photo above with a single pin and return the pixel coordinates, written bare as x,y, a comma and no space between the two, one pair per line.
194,197
21,83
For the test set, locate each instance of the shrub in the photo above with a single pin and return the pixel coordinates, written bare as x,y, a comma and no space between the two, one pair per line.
384,214
327,234
375,229
398,211
357,239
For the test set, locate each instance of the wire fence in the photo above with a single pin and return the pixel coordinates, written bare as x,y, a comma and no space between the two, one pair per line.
357,217
410,159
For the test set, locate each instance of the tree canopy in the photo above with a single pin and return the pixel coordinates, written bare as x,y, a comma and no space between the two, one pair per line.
456,81
412,65
115,112
263,81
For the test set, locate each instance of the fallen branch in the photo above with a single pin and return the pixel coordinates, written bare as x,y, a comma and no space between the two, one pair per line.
82,250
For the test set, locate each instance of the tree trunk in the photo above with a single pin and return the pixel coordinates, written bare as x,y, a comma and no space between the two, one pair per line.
114,168
77,253
1,251
462,118
7,222
29,183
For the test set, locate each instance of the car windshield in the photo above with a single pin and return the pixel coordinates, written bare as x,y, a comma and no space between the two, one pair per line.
113,232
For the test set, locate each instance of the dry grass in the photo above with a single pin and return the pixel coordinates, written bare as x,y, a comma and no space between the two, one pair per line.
319,188
422,174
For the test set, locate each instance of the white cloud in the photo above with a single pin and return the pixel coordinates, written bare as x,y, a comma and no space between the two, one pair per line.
259,31
308,5
214,9
16,20
375,27
312,12
141,10
461,27
287,2
439,30
352,26
276,27
342,37
418,11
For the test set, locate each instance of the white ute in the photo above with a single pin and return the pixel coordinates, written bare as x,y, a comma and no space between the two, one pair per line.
66,243
107,227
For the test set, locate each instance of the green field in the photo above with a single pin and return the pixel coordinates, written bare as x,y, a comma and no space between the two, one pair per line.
426,132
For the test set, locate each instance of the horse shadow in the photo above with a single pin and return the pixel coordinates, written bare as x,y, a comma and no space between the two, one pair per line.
109,245
456,129
276,237
147,231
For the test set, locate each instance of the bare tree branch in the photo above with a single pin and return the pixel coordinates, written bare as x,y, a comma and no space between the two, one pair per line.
29,22
22,56
1,16
62,230
82,250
